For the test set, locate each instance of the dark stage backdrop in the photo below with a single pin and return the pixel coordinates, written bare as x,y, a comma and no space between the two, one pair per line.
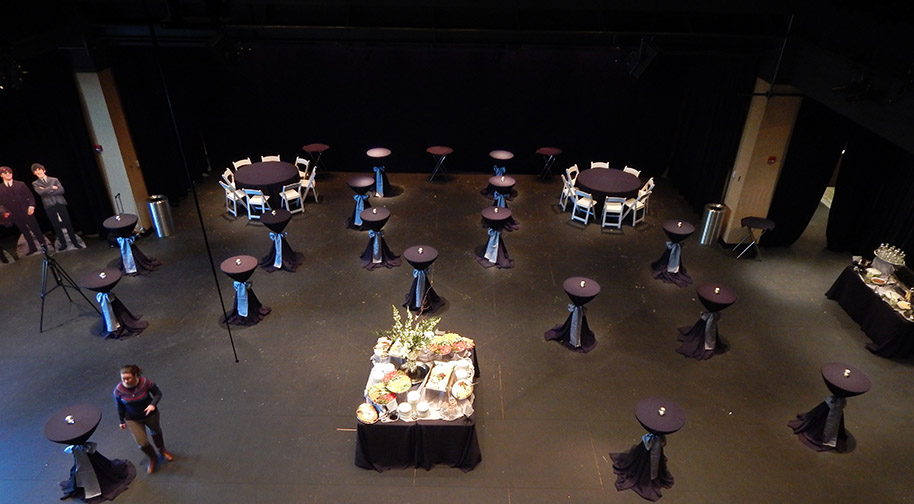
43,122
818,136
874,196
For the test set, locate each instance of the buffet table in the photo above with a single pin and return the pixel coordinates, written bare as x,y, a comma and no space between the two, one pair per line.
891,332
423,420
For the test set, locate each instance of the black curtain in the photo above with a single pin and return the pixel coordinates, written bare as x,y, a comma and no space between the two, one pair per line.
874,197
818,136
43,122
712,114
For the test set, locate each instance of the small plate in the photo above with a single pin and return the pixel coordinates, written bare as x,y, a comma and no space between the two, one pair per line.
366,413
879,280
462,389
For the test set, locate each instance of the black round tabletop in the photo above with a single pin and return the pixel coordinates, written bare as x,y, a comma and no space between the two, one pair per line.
549,151
276,220
716,297
361,184
845,380
378,152
608,182
659,415
496,215
102,280
420,256
240,267
73,425
267,173
439,150
502,183
315,147
581,289
677,230
501,155
374,218
121,225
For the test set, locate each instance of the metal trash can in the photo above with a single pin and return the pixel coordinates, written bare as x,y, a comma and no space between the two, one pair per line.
161,215
711,221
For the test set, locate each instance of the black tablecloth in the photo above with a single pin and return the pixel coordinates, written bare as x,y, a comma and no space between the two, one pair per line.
892,334
425,444
268,177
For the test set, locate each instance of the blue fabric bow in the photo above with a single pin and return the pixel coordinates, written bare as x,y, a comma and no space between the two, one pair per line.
359,206
419,275
577,314
654,444
241,295
378,180
376,244
492,247
277,245
675,251
104,300
499,170
85,473
127,253
499,199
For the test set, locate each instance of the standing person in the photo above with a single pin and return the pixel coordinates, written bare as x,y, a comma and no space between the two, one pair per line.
51,191
136,397
20,204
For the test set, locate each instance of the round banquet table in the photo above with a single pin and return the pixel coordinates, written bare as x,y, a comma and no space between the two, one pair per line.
93,476
494,252
643,468
268,177
421,296
601,183
361,184
669,267
822,428
133,261
438,152
117,321
549,155
280,255
700,341
382,185
575,333
247,310
377,253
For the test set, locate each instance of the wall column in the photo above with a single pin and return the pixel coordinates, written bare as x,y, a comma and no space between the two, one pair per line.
766,136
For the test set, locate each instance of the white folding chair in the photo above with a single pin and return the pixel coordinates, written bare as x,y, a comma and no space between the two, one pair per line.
228,176
629,169
599,164
649,185
310,187
572,173
583,202
302,174
614,211
241,162
256,200
290,194
638,206
232,198
567,193
264,159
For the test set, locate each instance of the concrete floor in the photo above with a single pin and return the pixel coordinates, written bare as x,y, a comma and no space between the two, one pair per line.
277,426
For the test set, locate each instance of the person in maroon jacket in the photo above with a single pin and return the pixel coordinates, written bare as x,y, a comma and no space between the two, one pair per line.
137,398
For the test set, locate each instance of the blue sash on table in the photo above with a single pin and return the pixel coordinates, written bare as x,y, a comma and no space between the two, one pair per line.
127,253
499,199
419,275
359,206
577,315
833,420
241,296
654,444
379,180
85,474
104,300
492,247
675,252
375,236
710,319
499,170
277,244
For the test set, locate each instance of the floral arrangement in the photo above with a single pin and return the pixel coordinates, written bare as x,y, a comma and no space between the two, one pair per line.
446,343
410,337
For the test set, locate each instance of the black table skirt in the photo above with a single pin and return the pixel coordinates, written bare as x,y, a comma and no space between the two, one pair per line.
425,444
693,342
810,428
658,269
633,470
432,300
562,334
144,264
388,258
291,259
130,324
113,478
256,311
892,334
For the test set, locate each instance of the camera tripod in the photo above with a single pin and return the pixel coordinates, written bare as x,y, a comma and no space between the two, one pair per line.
62,280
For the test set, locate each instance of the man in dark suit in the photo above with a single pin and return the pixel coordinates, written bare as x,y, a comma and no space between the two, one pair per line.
20,204
51,191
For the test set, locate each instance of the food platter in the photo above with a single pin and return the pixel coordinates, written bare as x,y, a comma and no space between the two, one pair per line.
366,413
462,389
